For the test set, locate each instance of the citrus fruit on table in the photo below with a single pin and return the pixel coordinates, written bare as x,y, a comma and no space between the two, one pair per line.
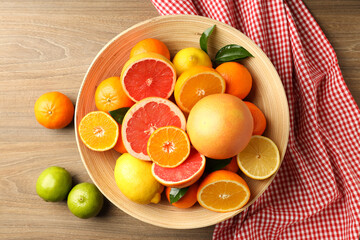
85,200
183,175
258,117
148,75
190,57
143,118
260,159
223,191
110,95
186,201
134,179
168,146
232,166
238,78
220,126
54,184
196,83
98,131
54,110
150,45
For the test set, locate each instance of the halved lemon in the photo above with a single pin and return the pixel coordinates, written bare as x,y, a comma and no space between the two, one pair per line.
260,159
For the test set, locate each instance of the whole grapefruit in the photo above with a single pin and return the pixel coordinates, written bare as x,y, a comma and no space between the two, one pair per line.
220,126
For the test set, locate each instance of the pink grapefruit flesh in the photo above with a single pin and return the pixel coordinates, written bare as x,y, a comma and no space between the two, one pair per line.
148,77
183,175
143,119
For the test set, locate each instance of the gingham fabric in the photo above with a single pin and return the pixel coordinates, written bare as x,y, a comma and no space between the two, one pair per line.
316,193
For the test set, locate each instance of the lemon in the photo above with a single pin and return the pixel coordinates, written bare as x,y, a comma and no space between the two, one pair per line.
260,159
189,57
135,180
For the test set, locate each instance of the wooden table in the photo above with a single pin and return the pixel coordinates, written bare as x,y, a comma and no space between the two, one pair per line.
47,46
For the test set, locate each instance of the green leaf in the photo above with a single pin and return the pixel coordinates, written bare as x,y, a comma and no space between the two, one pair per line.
119,114
177,193
204,38
216,164
231,52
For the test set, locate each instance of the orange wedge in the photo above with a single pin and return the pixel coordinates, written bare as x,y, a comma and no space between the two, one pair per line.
223,191
98,131
168,146
196,83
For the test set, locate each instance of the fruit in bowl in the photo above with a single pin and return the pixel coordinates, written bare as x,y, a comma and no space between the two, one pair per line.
155,111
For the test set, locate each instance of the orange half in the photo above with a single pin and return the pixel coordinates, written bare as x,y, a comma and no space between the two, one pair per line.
168,146
196,83
98,131
223,191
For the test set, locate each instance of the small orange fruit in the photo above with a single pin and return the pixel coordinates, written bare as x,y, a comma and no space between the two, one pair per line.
168,146
196,83
54,110
238,78
119,146
232,166
150,45
258,117
98,131
219,126
223,191
188,200
110,95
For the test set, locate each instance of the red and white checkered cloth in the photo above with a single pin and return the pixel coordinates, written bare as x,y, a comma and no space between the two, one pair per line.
316,193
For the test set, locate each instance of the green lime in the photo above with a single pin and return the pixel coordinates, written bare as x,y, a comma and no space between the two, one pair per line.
85,200
53,184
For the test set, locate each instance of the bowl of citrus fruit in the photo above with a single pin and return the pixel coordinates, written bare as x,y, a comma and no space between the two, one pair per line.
182,121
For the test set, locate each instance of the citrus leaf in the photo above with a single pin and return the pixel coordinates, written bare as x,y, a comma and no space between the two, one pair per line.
231,52
177,193
216,164
204,38
119,114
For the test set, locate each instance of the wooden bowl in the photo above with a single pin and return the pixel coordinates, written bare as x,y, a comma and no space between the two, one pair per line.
177,32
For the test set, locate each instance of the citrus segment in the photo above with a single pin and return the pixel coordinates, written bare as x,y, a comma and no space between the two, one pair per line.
110,95
260,159
143,118
98,131
150,45
148,75
168,146
223,191
195,84
183,175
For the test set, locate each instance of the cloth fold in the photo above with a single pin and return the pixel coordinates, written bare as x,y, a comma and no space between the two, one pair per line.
316,193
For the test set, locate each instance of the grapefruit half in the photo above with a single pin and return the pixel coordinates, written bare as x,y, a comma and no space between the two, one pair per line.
143,118
148,75
184,175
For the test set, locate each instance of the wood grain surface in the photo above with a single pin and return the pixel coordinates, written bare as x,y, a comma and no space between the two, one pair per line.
47,46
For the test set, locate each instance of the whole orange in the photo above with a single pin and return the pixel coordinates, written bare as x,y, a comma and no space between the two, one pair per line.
150,45
220,126
54,110
110,95
188,200
237,77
